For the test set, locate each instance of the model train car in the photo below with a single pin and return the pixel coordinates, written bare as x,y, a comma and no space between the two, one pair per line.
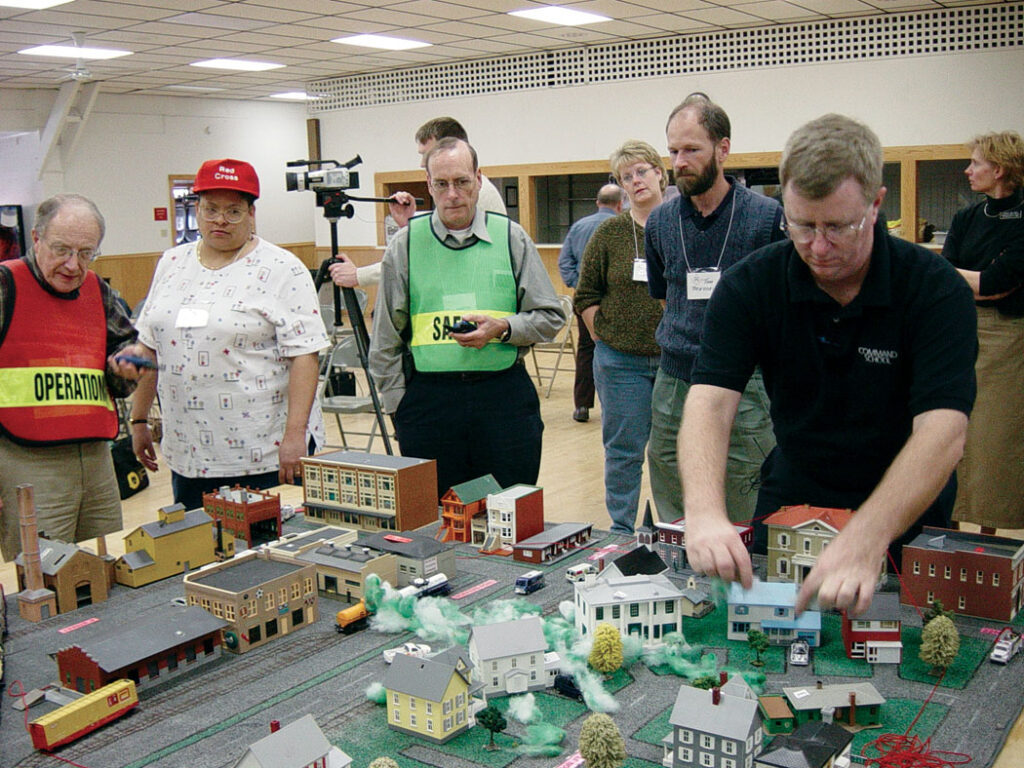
91,711
435,585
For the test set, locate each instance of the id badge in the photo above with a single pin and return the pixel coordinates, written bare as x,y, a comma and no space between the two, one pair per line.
640,270
700,285
192,317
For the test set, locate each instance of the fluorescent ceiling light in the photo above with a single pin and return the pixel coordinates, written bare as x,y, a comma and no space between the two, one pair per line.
239,64
381,41
202,88
74,52
566,17
294,96
35,5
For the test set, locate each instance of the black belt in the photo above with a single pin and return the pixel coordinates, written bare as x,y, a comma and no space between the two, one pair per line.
468,375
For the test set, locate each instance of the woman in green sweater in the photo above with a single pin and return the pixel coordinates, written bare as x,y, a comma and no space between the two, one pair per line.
613,300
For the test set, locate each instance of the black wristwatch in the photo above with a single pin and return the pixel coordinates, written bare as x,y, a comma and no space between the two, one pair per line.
506,335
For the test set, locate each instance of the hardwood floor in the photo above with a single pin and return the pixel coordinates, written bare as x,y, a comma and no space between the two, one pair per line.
572,476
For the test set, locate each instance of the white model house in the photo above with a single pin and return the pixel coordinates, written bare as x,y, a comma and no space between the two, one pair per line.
509,656
648,606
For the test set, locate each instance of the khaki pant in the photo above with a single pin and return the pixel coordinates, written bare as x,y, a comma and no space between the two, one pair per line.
74,487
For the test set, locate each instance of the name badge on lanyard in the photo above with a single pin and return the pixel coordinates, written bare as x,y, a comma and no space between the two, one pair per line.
640,270
700,285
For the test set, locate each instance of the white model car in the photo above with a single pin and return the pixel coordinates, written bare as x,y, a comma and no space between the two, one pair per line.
419,650
800,653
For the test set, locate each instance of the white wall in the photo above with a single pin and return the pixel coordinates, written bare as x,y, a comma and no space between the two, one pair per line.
908,101
131,144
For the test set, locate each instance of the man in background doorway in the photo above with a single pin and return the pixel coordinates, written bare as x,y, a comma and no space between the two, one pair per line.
403,205
609,203
689,241
463,398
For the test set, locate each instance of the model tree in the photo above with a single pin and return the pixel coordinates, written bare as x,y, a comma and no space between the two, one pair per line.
934,611
495,722
601,744
940,643
758,642
606,655
383,762
706,682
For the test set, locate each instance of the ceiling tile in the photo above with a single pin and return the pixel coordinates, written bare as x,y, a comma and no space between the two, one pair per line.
778,10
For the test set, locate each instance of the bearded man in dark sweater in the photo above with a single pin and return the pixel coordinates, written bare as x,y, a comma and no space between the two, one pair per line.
689,241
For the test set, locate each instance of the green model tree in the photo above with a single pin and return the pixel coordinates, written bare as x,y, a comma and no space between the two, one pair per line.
606,655
758,642
601,744
933,611
383,762
706,682
495,722
940,643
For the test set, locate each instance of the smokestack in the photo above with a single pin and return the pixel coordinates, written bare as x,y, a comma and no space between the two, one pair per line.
723,678
101,546
29,538
818,685
716,696
275,726
852,719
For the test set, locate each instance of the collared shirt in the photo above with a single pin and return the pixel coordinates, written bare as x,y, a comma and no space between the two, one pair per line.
571,256
538,319
120,332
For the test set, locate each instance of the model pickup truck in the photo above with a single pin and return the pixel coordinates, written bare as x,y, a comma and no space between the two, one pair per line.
1006,647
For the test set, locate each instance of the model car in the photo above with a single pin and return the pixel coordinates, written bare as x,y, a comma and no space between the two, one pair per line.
566,685
179,601
419,650
1006,647
800,653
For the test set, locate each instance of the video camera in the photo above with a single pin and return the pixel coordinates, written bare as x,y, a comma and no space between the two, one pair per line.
329,175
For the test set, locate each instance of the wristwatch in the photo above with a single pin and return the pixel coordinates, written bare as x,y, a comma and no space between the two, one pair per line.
507,334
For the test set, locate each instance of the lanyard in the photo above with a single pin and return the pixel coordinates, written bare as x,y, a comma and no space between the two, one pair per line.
725,242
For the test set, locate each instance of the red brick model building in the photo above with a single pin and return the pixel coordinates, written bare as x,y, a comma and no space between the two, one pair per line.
247,514
460,504
875,634
971,573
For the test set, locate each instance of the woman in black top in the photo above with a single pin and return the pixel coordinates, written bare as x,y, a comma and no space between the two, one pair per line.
986,245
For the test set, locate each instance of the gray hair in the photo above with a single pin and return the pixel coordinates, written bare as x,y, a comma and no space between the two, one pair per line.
825,152
447,145
710,116
50,207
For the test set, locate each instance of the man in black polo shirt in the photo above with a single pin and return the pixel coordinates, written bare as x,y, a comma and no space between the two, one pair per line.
867,344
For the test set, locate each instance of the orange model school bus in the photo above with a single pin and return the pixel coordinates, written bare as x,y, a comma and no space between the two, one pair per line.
74,720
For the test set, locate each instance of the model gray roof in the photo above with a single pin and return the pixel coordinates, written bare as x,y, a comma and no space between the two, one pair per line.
244,575
296,745
54,555
131,642
811,745
156,529
734,717
885,606
138,559
640,561
339,557
425,678
940,539
420,547
371,460
804,697
628,589
509,638
296,542
552,534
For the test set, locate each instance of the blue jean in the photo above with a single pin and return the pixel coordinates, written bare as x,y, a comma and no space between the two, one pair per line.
752,439
624,384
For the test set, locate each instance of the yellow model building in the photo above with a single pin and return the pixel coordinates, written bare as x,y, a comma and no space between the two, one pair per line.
176,542
432,698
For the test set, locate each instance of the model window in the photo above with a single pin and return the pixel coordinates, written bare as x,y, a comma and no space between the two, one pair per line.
980,577
460,700
296,617
430,707
670,606
707,760
917,568
282,596
271,627
782,611
931,569
447,724
729,746
255,634
783,567
252,608
807,545
963,574
931,597
686,736
430,725
396,716
494,682
706,741
533,659
961,602
190,653
533,674
296,591
229,612
460,717
783,539
412,703
616,611
634,609
947,572
728,762
740,627
412,720
599,614
741,610
269,602
515,662
308,584
995,579
686,754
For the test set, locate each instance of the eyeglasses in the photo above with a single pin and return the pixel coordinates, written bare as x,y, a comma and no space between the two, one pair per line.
231,215
443,185
837,234
84,255
639,173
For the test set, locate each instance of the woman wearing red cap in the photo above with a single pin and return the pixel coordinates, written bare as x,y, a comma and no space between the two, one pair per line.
233,322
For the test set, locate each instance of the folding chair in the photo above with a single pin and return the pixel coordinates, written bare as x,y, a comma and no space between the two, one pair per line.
564,343
345,356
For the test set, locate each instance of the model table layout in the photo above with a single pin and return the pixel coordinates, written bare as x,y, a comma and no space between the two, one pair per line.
216,712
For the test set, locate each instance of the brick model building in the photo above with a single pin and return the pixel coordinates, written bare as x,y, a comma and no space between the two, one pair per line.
245,513
261,594
76,576
875,634
553,542
464,510
419,556
147,651
971,573
370,491
513,514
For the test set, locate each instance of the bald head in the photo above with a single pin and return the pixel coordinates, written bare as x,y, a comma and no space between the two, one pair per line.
610,196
